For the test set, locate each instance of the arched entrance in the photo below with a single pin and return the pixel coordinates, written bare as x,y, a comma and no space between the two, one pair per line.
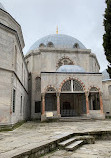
50,100
94,99
72,99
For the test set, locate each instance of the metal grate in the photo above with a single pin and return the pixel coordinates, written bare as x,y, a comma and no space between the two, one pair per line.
72,85
94,89
65,61
67,86
77,86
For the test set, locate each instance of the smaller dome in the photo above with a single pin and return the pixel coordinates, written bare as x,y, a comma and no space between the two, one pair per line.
105,75
70,68
2,7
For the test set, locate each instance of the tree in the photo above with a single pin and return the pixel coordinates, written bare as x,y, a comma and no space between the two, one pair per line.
107,35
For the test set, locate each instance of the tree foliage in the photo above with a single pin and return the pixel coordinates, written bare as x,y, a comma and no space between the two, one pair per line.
107,35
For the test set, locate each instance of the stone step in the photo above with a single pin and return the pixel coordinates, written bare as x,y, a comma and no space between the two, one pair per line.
87,139
67,142
73,146
74,119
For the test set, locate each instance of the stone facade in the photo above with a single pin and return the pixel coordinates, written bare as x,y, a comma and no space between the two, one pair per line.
35,86
107,97
13,72
44,62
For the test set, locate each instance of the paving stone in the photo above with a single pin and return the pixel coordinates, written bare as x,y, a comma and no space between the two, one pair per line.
31,135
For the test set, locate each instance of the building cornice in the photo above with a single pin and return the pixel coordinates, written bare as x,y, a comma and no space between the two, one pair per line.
72,73
17,38
57,50
12,71
5,12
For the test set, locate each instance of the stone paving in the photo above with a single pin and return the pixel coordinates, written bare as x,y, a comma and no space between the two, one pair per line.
32,134
101,149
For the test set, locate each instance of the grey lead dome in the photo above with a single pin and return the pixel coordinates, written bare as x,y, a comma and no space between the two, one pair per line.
59,41
70,68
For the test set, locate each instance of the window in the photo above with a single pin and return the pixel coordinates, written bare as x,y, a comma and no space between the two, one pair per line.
42,45
22,72
72,85
15,58
93,89
38,107
50,44
21,105
51,89
64,61
76,45
67,86
14,100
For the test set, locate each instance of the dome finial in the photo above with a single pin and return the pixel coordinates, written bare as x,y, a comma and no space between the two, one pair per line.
57,30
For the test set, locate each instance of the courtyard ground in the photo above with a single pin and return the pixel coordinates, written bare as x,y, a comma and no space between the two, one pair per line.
33,134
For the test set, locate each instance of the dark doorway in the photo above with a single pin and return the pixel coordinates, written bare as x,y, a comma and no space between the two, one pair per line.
50,102
72,104
94,103
38,107
66,105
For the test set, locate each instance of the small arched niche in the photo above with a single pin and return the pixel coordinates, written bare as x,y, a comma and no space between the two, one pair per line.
41,45
76,45
50,44
94,100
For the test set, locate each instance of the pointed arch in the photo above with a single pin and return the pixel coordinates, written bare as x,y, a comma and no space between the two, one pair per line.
65,60
50,88
78,85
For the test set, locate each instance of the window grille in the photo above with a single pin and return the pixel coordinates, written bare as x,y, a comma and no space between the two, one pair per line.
65,61
94,89
67,86
14,92
77,86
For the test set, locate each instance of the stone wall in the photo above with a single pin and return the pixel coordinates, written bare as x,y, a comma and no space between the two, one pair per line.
9,21
106,97
46,60
55,79
5,96
13,72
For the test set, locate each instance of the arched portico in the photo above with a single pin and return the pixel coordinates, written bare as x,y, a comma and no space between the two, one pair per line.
95,99
72,98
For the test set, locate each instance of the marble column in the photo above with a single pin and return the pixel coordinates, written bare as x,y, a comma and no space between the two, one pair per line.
58,103
87,103
43,103
101,102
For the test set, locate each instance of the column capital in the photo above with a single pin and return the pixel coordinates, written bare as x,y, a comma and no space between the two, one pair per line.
43,95
58,94
87,93
100,93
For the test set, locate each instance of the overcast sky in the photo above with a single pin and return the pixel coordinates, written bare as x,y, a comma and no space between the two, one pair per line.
82,19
